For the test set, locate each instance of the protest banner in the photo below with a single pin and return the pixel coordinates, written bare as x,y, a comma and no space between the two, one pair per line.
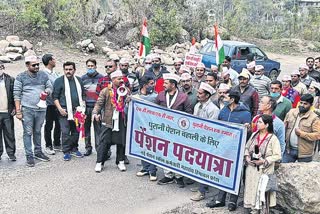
192,60
210,152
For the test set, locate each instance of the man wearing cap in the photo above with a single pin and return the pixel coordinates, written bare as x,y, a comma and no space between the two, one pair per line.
187,88
226,78
235,112
199,76
172,98
251,68
90,81
304,76
260,82
233,74
297,84
129,77
7,110
183,69
28,87
177,65
249,95
204,109
52,113
69,98
212,80
302,132
289,92
113,120
157,71
283,104
311,71
222,91
214,69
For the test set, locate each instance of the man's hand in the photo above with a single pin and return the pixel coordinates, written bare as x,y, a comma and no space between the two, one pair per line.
248,161
298,131
19,115
258,162
62,112
96,117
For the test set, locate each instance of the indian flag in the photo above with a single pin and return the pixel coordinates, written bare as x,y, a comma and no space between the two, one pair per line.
219,47
145,46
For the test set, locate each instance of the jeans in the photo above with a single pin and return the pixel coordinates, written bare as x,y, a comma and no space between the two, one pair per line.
292,157
222,197
69,136
151,168
87,130
32,123
7,131
52,116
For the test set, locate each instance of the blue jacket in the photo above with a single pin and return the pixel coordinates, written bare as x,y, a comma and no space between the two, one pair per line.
240,114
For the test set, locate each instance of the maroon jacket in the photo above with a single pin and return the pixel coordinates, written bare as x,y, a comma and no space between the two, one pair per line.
182,102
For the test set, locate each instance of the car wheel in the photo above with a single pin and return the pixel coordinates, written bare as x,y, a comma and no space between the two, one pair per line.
273,74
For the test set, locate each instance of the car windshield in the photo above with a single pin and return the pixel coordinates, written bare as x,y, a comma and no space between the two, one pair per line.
210,49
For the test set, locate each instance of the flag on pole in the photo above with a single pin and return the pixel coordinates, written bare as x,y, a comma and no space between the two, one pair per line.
219,47
145,46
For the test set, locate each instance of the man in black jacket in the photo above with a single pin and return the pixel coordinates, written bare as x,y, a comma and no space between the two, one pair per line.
7,111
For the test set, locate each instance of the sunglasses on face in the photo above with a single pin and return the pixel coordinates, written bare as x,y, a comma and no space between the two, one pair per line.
108,66
35,65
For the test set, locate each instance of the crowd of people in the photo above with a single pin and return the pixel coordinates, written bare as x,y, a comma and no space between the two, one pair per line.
281,116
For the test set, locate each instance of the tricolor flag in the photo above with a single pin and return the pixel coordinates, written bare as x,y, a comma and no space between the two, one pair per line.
219,47
145,46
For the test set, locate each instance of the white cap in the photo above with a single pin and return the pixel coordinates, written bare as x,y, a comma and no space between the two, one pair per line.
223,86
148,58
156,56
295,72
207,87
116,73
214,67
185,68
177,60
31,59
225,71
259,68
201,65
124,61
303,66
251,65
170,76
286,78
114,57
185,76
315,84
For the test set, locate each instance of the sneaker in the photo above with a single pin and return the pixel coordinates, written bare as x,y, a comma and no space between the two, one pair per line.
67,157
165,181
198,196
42,157
88,152
122,166
180,182
30,161
98,167
12,158
142,172
57,148
196,189
126,160
153,176
77,154
50,151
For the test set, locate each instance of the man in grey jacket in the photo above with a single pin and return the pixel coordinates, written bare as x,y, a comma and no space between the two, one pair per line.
28,88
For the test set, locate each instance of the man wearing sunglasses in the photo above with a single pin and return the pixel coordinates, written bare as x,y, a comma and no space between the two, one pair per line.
6,114
28,87
103,82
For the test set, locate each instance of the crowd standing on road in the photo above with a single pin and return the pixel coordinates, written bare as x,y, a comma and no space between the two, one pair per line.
282,117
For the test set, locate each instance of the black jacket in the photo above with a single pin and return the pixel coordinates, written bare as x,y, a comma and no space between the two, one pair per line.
9,82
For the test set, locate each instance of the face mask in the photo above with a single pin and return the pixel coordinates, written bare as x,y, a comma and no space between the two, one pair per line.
147,66
149,89
90,71
303,110
274,94
155,65
257,76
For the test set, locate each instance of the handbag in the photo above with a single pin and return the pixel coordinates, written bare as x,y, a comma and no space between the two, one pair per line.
272,185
